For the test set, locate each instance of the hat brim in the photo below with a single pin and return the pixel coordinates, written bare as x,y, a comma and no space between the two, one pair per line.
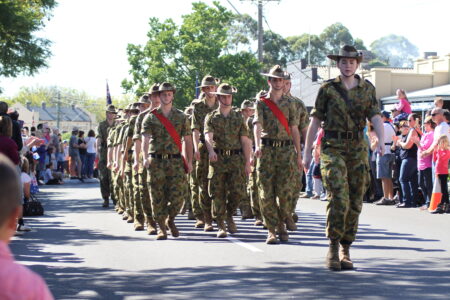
273,76
223,94
201,86
112,112
336,57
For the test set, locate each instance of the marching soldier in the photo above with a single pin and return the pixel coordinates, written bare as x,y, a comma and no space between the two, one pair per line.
102,151
163,130
344,104
226,138
303,129
277,147
151,103
201,109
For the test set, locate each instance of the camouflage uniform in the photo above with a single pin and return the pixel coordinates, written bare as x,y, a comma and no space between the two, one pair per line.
201,109
127,178
166,176
344,162
297,174
278,161
141,180
252,187
114,176
104,172
226,176
118,180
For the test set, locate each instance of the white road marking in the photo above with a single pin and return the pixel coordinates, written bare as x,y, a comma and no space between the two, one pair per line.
242,244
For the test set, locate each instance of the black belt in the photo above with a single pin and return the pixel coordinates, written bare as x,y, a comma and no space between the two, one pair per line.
388,144
164,156
202,140
228,152
343,135
130,151
276,143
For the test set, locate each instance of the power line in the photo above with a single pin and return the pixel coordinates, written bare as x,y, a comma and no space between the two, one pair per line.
235,9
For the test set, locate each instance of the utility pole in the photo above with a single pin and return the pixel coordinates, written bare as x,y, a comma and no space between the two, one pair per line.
58,114
260,27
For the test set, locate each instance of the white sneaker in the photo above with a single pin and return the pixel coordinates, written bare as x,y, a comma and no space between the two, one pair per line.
18,233
23,228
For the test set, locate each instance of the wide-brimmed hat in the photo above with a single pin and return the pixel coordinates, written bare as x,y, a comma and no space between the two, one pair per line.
166,86
347,51
261,93
248,104
111,109
225,89
276,72
209,80
154,89
386,114
144,99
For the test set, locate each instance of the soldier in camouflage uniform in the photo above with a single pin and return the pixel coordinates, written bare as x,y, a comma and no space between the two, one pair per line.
138,166
167,179
303,129
226,137
115,178
277,148
192,196
344,104
201,109
102,152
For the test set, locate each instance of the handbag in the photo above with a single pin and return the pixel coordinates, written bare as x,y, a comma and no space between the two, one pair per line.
33,208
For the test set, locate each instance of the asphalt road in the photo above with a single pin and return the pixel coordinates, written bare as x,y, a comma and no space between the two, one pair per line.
86,252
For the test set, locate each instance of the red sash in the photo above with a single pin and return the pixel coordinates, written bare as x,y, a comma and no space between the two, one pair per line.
173,133
278,113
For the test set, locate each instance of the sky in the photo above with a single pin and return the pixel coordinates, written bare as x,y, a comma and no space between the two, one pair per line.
90,36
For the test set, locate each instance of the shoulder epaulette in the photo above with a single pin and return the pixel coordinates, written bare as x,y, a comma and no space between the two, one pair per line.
368,82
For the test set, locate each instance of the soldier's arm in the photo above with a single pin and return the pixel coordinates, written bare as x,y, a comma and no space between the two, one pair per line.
296,138
137,152
257,134
145,145
209,138
310,136
377,123
98,144
247,149
196,136
187,143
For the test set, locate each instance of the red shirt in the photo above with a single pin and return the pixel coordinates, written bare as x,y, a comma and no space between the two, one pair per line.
441,158
9,148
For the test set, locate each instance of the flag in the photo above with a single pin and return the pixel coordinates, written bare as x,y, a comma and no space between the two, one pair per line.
108,95
197,89
436,195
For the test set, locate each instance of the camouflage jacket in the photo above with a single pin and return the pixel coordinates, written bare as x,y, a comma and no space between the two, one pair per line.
249,125
201,109
227,131
138,125
161,142
102,133
331,108
112,136
302,112
270,125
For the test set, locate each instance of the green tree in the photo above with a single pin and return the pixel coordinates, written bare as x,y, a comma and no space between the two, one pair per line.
201,45
395,50
336,35
300,44
21,51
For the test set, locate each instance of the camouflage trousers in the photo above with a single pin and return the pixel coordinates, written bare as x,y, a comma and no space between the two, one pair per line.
138,208
118,190
226,185
168,187
345,176
105,179
296,188
129,193
274,174
145,195
252,191
201,172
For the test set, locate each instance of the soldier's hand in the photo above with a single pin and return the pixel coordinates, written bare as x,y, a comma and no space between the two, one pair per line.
248,168
300,163
136,166
258,152
197,155
146,163
109,165
190,168
213,156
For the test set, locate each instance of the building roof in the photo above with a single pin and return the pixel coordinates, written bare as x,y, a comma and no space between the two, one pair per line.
71,113
424,95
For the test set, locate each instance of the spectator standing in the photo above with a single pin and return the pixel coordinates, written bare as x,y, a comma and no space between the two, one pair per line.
16,132
408,168
8,147
16,281
385,163
441,156
83,152
74,154
375,187
437,115
91,153
424,164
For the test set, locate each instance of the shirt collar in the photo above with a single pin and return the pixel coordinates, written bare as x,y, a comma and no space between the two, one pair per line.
360,84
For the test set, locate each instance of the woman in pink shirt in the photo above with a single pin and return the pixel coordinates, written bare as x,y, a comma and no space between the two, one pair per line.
441,156
424,164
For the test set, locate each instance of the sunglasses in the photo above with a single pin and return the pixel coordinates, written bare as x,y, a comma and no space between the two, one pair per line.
435,114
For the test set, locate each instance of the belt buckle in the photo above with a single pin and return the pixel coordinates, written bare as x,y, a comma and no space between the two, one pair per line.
227,152
276,144
165,156
349,135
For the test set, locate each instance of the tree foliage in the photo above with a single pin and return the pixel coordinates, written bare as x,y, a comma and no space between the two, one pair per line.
201,45
395,50
300,44
21,52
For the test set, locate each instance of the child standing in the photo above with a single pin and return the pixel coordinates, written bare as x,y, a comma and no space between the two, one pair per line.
441,156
